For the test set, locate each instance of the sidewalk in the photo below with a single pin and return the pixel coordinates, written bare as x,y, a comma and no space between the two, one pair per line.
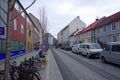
51,71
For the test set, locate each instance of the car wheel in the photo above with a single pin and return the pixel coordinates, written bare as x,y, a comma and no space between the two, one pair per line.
88,56
103,59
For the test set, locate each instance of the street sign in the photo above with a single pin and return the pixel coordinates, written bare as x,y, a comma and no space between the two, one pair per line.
2,30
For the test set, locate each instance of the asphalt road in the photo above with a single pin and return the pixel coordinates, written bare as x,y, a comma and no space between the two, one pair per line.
76,67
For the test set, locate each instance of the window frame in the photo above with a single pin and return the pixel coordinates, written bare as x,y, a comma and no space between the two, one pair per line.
15,24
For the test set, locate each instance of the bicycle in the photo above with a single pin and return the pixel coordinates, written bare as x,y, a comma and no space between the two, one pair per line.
28,71
25,71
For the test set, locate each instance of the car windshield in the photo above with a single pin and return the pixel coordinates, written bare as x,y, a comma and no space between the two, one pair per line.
94,46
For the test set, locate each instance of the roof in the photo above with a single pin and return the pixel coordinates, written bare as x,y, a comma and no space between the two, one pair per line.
74,33
89,27
109,19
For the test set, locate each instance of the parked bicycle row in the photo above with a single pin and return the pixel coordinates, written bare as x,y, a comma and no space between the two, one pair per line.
111,53
27,70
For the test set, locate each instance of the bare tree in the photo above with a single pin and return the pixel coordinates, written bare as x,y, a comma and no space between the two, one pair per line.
8,26
43,21
43,18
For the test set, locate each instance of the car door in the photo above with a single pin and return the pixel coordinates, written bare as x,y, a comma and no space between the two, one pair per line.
115,54
106,53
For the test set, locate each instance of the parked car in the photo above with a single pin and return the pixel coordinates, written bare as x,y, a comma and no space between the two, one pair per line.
91,49
76,48
68,48
111,53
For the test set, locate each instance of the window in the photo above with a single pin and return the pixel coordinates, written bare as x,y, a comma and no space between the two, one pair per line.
116,48
98,31
107,48
15,24
17,6
23,14
2,46
114,39
119,23
22,28
104,29
16,45
29,33
22,45
12,45
113,26
28,20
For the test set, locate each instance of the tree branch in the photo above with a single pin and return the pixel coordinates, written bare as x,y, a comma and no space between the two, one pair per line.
24,10
3,9
3,20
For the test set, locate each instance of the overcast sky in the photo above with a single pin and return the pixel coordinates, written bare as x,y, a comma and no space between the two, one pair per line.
62,12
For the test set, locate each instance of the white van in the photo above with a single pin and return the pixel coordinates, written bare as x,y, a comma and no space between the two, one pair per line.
91,49
111,53
76,48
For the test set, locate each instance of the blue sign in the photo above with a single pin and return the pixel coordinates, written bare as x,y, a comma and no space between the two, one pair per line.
2,30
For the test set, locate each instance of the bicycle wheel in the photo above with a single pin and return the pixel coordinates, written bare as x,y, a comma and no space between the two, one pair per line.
36,76
32,75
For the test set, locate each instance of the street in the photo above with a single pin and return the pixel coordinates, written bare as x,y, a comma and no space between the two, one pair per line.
76,67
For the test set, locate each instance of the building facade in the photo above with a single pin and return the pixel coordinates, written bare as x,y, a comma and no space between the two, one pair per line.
38,32
24,33
3,15
18,38
50,39
109,29
87,34
73,38
69,29
29,34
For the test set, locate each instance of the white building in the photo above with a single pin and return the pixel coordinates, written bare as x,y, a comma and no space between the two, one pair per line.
64,34
50,39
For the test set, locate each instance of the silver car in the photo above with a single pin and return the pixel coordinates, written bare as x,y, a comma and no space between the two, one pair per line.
111,53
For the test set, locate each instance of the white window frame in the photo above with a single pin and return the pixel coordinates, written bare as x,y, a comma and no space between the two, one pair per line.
22,29
15,24
104,29
17,6
113,26
119,24
114,38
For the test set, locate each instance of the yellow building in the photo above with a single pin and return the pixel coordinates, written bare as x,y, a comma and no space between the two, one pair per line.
29,39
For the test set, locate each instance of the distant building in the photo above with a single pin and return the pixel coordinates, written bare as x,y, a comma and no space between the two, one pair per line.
87,34
50,39
73,38
64,34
